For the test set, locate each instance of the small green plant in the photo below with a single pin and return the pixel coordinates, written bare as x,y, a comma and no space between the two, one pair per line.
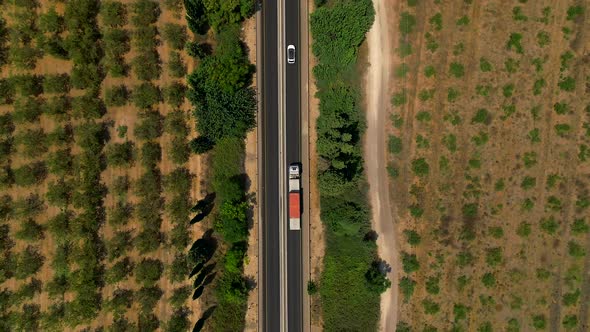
420,167
460,311
571,299
488,280
517,14
482,116
456,69
426,94
528,183
397,120
407,286
567,83
569,322
453,117
422,142
399,98
543,38
538,63
562,129
527,205
566,59
432,286
416,211
573,12
561,108
412,237
407,23
512,65
404,49
458,49
429,71
450,142
480,139
431,43
410,263
423,116
494,256
549,225
538,86
463,21
430,307
530,159
508,90
483,90
514,43
395,144
553,204
499,185
452,95
402,70
485,65
539,322
534,135
312,287
579,226
436,22
524,229
575,250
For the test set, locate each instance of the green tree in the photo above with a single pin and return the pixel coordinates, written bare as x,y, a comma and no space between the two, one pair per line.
174,94
145,95
120,154
30,230
175,35
116,95
28,262
119,271
232,222
148,271
113,13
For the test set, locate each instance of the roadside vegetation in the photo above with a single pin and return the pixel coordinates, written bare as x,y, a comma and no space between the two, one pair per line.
352,280
489,162
224,111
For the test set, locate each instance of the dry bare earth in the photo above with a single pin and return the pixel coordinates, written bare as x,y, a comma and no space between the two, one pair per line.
500,200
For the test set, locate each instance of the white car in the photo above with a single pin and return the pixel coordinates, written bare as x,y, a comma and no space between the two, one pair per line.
291,54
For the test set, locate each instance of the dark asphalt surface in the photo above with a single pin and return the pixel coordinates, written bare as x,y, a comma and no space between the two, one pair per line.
293,154
270,185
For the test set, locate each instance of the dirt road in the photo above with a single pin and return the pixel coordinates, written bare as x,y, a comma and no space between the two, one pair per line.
377,97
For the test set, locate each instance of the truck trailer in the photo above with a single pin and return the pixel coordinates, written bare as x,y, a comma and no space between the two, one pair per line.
294,197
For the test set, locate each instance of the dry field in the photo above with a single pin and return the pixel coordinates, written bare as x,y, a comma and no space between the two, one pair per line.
32,307
490,164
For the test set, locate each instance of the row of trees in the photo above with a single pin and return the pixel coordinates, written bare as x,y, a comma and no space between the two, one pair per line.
219,88
350,296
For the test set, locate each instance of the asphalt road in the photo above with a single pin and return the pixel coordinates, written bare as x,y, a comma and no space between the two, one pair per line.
270,185
293,155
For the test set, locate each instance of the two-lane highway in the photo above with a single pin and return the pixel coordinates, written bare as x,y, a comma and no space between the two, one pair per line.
275,166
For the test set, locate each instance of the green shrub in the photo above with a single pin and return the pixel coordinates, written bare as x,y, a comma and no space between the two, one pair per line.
175,35
539,322
534,135
517,14
145,95
24,57
528,183
575,250
488,280
549,225
573,12
148,271
407,22
436,22
33,142
402,70
482,116
176,66
463,21
399,98
56,83
412,237
410,263
174,94
543,38
567,83
432,286
456,69
569,322
514,43
485,65
430,307
579,226
571,299
87,107
28,262
116,95
494,256
113,13
27,109
144,12
179,151
562,129
175,124
120,154
420,167
429,71
146,66
395,144
150,126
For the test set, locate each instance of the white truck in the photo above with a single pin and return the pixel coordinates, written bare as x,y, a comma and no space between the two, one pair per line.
294,197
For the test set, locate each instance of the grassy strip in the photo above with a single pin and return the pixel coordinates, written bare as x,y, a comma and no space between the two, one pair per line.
349,288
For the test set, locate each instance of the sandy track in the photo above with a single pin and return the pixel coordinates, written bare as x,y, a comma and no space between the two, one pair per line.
377,87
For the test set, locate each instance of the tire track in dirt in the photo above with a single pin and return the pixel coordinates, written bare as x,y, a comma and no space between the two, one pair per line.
377,87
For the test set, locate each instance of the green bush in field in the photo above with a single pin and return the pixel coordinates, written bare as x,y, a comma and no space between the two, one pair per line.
113,13
150,126
543,38
120,154
116,95
395,144
175,35
463,21
456,69
539,322
407,287
570,322
430,307
28,262
28,109
573,12
485,65
174,94
399,98
144,12
410,263
175,124
436,22
148,271
420,167
33,141
146,66
407,22
575,250
145,95
567,83
24,57
56,83
482,116
488,280
176,66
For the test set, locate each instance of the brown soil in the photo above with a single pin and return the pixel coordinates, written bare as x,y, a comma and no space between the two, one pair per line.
469,175
251,167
